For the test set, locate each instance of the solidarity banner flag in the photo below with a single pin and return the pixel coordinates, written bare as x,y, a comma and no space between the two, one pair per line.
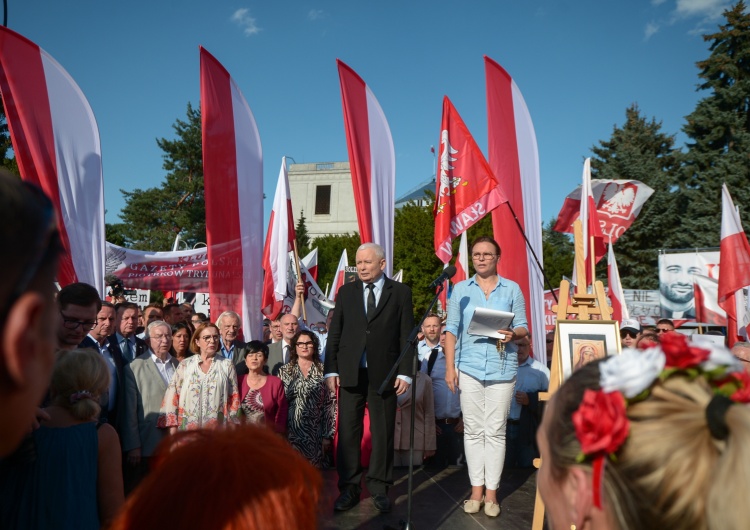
372,161
233,177
707,308
618,203
734,253
317,305
185,270
338,278
279,242
466,189
514,159
311,262
56,144
616,296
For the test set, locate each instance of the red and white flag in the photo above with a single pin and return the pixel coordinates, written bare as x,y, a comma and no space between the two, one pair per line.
514,159
372,161
311,263
466,189
462,261
618,203
594,247
338,278
734,258
279,242
707,308
615,293
233,177
56,144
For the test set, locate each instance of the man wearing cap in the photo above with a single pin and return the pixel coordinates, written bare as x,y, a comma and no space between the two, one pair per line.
630,332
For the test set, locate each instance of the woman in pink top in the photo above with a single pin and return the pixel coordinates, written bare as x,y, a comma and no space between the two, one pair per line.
262,398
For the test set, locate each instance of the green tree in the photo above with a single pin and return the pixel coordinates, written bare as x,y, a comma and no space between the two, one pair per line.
719,131
330,248
153,217
640,151
558,252
303,239
6,147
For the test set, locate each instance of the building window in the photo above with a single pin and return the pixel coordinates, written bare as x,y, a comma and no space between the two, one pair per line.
323,200
324,166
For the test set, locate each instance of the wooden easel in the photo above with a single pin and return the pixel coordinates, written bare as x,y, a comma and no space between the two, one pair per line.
583,306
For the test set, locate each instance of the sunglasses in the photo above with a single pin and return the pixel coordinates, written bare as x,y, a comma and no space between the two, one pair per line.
630,334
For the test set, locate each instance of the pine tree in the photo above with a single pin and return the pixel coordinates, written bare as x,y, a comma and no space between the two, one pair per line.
640,151
558,252
719,131
153,217
303,238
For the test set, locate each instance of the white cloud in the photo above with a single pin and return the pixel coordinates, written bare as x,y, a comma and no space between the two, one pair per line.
242,18
315,14
651,29
705,9
657,2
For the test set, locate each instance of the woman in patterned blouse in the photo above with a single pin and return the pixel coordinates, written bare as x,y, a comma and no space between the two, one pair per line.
203,392
312,408
262,396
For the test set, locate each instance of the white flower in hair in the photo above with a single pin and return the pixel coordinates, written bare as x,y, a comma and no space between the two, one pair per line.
631,372
720,357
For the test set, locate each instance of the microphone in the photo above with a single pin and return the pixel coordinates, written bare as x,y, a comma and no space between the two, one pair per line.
448,272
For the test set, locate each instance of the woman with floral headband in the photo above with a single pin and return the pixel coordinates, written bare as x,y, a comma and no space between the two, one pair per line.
651,439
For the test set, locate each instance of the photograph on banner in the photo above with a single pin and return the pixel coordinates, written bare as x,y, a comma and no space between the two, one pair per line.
676,280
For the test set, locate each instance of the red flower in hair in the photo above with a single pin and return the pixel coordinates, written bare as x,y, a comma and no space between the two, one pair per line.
742,394
600,422
679,353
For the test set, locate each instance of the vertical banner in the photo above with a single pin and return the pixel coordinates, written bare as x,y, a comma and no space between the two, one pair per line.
56,144
735,266
616,296
514,159
372,161
233,177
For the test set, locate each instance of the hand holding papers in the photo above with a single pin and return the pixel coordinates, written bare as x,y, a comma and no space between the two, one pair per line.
489,323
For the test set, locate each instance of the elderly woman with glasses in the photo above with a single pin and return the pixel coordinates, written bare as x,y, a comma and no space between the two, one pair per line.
262,398
312,407
203,392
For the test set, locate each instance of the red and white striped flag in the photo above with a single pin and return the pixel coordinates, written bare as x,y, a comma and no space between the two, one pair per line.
311,263
233,177
372,161
707,308
462,261
616,295
734,253
279,242
466,189
514,159
594,248
338,278
56,144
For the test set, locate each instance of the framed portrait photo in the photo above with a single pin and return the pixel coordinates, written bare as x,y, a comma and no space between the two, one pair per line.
583,341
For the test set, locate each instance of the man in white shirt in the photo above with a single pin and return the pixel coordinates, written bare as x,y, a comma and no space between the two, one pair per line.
125,328
525,416
448,420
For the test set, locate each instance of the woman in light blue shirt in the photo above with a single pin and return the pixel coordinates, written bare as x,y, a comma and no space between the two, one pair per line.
484,369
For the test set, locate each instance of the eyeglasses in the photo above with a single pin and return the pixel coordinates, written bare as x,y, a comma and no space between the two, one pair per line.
482,256
210,338
305,344
72,323
158,338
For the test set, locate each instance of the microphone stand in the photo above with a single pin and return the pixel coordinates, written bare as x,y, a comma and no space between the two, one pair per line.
411,342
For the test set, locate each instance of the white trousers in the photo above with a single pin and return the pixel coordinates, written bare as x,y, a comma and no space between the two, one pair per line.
485,406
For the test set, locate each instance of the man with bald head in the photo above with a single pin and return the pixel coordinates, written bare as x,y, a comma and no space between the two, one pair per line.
279,352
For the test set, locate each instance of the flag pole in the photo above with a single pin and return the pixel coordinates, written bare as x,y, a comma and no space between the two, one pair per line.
536,259
299,277
592,257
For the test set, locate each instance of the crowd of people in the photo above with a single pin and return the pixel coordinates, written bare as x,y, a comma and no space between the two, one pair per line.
130,400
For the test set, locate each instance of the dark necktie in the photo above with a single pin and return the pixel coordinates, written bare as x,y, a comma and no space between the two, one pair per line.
370,301
431,360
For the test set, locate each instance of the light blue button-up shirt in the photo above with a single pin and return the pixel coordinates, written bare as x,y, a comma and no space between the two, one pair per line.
477,356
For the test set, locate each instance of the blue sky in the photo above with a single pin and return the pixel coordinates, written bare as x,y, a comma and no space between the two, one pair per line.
578,63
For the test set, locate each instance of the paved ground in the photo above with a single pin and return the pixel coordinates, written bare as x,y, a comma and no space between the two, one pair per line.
437,503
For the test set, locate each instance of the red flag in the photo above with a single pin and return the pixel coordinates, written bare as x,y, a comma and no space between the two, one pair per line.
233,176
616,295
311,262
372,161
734,255
279,243
618,203
462,261
594,248
338,278
514,159
707,308
466,189
56,144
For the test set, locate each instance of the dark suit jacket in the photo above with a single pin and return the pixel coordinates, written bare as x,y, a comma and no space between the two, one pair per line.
140,347
114,350
384,336
275,357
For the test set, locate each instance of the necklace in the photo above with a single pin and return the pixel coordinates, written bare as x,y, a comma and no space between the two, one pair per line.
487,289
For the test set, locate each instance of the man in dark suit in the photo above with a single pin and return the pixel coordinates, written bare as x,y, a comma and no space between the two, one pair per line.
279,352
125,327
370,326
